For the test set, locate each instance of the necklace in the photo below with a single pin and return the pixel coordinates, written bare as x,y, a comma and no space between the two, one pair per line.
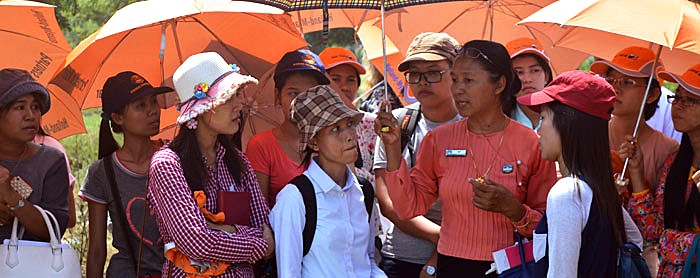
481,177
19,160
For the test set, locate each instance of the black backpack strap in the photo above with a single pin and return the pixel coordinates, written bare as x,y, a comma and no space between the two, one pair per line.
109,170
408,120
368,192
309,196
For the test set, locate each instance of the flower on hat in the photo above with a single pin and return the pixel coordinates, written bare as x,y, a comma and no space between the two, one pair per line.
235,68
201,90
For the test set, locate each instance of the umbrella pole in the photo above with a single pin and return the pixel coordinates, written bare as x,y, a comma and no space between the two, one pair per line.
620,179
386,82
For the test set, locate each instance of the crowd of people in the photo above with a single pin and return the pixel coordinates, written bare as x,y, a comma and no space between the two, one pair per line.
497,147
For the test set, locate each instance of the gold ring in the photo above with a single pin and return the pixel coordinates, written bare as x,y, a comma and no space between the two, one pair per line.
385,129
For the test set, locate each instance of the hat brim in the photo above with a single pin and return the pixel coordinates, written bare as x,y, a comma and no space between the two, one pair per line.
222,91
601,67
535,100
670,77
322,78
431,57
531,51
357,66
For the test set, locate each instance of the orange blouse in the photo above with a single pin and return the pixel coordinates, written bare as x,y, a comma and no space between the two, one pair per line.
467,231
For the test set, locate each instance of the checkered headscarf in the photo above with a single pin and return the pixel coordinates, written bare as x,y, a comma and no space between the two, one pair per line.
317,108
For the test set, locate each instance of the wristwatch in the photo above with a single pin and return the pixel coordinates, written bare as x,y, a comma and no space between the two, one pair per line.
430,270
19,204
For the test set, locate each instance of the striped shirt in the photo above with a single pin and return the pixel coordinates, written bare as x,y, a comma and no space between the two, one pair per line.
181,221
467,231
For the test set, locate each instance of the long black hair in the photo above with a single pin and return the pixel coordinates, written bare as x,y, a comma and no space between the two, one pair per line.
679,214
186,146
106,143
498,64
586,153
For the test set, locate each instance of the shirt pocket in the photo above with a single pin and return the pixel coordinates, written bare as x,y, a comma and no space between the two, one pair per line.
539,246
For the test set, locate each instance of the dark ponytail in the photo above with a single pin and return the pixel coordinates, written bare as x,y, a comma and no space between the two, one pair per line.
107,144
678,214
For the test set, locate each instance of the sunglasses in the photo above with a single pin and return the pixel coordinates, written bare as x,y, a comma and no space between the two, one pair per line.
476,53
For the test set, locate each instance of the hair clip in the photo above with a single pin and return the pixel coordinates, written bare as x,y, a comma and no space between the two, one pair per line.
235,67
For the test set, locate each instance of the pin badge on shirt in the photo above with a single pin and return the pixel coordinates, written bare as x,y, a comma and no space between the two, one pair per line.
449,153
507,169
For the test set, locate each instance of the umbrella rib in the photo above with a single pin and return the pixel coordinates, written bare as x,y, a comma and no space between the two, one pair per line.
486,20
38,39
218,39
442,30
92,80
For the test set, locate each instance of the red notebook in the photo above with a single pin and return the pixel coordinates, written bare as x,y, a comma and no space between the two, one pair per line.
236,207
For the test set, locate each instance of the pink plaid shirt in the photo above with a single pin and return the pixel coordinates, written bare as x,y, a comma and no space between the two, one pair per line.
181,221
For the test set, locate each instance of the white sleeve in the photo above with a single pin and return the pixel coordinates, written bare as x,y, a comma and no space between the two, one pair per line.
566,218
287,219
633,234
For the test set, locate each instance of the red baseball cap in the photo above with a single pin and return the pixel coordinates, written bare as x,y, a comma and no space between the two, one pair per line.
580,90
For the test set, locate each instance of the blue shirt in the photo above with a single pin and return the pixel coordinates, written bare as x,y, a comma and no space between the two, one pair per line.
343,244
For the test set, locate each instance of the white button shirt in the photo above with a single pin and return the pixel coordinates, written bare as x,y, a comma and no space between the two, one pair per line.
343,244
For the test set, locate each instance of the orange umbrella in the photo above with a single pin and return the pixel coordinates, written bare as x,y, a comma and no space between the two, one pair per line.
34,42
600,29
154,37
464,20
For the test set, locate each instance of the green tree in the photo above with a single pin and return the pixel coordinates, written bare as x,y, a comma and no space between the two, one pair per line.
80,18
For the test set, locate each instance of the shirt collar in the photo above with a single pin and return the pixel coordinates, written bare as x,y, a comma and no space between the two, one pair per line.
325,183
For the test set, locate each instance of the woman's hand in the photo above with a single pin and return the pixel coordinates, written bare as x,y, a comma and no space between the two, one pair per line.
270,238
5,185
221,227
493,197
630,149
387,128
696,178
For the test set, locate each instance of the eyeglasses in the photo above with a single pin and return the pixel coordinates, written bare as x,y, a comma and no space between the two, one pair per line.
686,101
622,82
433,76
476,53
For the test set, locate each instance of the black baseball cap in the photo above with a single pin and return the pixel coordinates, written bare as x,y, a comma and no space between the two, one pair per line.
125,87
301,60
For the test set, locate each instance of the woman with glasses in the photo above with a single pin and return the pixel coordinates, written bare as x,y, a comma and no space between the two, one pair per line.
628,73
670,213
486,169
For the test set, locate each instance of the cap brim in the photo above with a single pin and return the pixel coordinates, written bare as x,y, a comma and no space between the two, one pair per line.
535,100
322,78
601,67
670,77
531,51
357,66
420,57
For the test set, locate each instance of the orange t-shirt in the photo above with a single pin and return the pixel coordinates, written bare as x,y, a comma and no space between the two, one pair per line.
467,231
266,156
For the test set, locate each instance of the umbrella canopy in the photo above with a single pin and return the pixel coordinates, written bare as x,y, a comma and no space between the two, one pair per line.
39,47
465,20
312,20
598,28
152,38
298,5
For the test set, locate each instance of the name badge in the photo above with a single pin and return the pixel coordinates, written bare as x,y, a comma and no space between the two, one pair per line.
507,169
455,153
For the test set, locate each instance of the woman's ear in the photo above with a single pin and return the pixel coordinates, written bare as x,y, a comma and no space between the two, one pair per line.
313,144
654,94
500,85
117,118
278,96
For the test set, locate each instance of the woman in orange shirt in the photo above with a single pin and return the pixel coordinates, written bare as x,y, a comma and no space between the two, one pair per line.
486,169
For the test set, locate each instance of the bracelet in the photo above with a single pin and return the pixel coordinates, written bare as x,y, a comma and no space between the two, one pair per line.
527,221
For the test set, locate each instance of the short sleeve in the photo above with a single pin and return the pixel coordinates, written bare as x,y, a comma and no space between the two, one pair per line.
258,156
95,185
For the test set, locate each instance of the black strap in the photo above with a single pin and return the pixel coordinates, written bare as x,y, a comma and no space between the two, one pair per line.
109,170
309,196
408,120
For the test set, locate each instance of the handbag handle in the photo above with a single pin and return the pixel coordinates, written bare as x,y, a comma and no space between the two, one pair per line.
523,269
693,252
52,226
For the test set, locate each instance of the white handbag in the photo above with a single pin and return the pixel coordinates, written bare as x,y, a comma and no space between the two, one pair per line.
24,258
